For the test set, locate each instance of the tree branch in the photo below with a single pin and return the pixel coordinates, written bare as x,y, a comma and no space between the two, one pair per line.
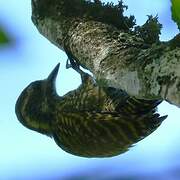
116,56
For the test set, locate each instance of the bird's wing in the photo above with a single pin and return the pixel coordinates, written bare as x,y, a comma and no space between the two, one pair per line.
101,134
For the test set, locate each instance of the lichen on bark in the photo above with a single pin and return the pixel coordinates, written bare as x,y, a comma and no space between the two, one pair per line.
132,60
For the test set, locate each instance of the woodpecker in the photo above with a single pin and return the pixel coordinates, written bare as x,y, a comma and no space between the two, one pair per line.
90,121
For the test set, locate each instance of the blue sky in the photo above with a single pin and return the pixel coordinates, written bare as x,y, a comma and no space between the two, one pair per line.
25,154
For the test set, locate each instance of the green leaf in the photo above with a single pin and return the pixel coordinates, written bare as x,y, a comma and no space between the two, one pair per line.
175,8
4,39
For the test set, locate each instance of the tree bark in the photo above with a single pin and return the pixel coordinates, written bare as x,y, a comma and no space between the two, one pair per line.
116,58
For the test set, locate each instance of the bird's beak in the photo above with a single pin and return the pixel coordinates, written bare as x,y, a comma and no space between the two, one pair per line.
52,76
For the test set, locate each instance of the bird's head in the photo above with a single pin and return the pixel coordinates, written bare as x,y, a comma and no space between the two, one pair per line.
34,105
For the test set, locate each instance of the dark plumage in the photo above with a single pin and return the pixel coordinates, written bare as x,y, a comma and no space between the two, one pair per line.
90,121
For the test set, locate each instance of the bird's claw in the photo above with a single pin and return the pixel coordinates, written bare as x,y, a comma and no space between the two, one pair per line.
68,64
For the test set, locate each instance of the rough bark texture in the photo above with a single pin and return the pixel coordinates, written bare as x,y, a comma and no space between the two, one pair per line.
117,58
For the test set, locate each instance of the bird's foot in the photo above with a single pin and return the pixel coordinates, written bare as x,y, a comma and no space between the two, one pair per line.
73,64
68,64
